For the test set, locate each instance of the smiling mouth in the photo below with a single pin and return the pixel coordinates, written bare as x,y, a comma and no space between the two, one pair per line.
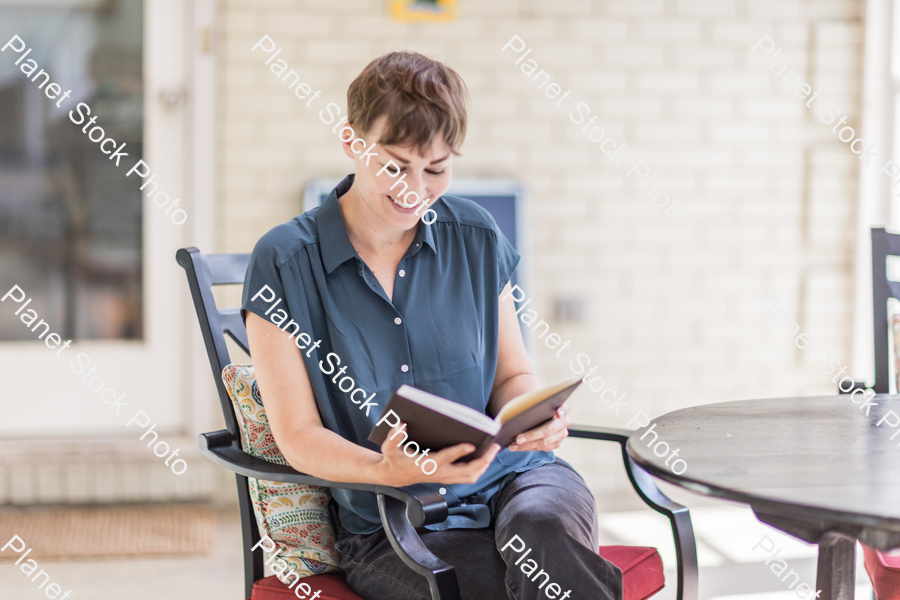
401,203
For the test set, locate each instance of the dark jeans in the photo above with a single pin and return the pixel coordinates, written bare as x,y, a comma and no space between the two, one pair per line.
550,510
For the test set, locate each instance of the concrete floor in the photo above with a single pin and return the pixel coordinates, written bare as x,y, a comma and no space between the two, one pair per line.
730,569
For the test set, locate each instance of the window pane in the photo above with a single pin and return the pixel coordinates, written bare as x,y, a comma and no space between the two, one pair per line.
70,221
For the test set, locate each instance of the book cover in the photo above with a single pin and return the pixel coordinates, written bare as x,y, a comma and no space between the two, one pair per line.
437,423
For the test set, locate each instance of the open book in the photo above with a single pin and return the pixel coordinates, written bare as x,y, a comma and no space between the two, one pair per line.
436,423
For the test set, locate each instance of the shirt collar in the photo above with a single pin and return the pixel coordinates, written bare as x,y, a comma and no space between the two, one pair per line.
334,243
424,238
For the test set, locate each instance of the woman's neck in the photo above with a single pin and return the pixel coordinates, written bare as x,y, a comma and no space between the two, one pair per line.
368,235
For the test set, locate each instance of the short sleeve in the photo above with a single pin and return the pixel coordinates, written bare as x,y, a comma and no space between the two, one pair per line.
507,258
263,284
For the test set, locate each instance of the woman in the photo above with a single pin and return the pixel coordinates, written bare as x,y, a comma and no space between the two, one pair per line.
390,300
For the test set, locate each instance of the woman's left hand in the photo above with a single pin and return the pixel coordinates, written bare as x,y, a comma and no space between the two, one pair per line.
548,436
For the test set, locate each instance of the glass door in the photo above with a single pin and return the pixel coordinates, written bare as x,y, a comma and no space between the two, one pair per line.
88,88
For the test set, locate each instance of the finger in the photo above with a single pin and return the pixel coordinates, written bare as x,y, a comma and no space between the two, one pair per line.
388,446
543,444
488,457
551,427
472,471
563,410
555,440
477,465
453,453
554,434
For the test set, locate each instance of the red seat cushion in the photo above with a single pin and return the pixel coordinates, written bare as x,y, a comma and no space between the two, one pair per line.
333,585
884,571
642,570
642,576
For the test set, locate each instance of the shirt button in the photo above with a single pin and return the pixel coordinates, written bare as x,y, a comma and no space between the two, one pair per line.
442,491
404,368
402,273
398,320
462,504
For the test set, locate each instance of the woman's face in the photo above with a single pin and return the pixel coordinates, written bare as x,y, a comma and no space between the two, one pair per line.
427,177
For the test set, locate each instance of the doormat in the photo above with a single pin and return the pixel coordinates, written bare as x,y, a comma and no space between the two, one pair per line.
82,532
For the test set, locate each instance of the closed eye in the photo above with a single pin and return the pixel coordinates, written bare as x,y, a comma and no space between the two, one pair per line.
441,172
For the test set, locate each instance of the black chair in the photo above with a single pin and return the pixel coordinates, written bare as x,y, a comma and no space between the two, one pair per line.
884,244
401,509
885,579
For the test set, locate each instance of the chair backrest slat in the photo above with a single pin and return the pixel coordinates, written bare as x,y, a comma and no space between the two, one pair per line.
233,325
884,244
226,269
203,272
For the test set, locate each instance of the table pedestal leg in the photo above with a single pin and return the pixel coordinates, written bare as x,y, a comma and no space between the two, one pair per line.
836,570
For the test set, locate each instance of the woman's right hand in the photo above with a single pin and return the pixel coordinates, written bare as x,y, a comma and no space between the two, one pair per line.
398,469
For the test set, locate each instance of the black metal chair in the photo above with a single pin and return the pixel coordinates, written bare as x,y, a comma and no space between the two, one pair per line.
885,580
884,244
401,509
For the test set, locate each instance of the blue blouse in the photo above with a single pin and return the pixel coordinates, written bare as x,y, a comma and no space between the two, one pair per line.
438,334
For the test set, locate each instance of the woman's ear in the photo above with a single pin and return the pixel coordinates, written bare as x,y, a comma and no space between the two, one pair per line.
355,145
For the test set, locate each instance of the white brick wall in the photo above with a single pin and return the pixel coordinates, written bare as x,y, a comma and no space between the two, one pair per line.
103,471
771,194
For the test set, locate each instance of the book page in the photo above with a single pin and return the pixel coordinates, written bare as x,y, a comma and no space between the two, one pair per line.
520,404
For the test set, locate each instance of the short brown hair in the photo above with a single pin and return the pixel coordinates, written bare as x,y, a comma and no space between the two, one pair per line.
419,96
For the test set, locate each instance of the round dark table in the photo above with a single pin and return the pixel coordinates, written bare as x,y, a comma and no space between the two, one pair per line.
817,468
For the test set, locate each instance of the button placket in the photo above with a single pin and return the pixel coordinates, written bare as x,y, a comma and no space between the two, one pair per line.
399,302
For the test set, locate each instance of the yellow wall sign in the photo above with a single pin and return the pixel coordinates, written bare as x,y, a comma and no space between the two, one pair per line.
409,11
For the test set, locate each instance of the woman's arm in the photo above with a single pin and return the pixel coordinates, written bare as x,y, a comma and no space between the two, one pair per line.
311,448
515,376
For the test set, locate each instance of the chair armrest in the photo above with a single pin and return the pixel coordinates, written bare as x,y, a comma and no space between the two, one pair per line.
408,545
609,434
424,506
641,481
679,516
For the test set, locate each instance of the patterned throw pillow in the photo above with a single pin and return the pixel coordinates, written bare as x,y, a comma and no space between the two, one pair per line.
295,517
